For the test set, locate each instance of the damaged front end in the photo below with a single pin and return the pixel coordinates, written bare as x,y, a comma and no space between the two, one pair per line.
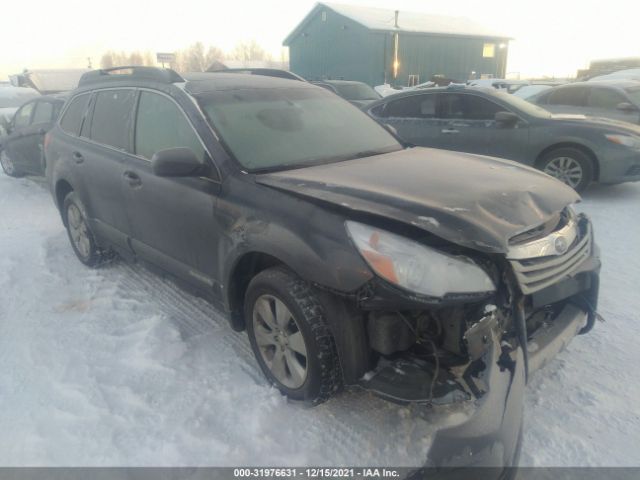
475,351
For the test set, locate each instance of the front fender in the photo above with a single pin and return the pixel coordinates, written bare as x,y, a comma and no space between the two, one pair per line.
311,241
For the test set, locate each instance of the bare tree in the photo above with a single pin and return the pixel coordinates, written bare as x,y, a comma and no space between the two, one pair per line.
196,59
248,51
113,59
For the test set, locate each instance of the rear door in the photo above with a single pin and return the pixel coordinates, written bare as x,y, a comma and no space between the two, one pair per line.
172,219
33,145
414,118
100,157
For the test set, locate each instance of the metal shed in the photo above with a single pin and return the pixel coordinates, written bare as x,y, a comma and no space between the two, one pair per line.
376,46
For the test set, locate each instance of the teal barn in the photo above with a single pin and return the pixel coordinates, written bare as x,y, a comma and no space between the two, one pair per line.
377,46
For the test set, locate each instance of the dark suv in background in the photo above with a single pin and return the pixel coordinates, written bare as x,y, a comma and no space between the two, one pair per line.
422,275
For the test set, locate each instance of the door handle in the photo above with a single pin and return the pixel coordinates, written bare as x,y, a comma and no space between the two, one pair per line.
78,158
450,131
133,178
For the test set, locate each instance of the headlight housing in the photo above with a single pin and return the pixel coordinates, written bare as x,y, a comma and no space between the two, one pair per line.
630,141
415,267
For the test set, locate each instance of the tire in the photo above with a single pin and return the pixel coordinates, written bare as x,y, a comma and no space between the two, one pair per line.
281,339
81,237
8,166
571,166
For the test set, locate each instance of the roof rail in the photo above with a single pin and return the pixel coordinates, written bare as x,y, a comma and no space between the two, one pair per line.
131,72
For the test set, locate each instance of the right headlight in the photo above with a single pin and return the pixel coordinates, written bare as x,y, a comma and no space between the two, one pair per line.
416,267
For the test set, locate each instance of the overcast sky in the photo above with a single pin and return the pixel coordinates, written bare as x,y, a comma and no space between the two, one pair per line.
552,37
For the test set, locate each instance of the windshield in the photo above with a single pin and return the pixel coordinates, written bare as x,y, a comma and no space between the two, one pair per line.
356,91
15,97
276,128
523,105
634,94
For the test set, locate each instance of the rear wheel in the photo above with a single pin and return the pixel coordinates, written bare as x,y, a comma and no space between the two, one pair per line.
569,165
8,166
81,237
290,338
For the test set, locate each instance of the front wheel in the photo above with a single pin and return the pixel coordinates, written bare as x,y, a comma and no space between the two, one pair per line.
290,338
7,165
569,165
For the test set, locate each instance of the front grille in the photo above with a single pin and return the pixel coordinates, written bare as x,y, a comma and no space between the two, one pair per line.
534,274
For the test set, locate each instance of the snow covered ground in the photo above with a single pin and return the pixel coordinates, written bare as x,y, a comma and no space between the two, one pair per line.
117,366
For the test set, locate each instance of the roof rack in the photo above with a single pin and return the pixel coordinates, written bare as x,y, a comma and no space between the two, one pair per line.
133,72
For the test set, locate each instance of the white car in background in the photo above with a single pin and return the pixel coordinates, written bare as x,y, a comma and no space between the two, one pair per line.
12,98
629,74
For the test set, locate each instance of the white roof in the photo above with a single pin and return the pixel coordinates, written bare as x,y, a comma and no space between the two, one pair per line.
60,80
384,19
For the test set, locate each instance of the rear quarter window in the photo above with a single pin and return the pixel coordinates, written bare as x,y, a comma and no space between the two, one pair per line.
73,115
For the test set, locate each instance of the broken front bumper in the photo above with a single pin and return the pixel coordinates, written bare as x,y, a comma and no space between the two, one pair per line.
492,434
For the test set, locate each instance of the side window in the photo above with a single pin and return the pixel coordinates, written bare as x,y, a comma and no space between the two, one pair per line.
111,121
414,106
160,124
573,96
605,98
23,116
478,108
451,105
44,112
74,114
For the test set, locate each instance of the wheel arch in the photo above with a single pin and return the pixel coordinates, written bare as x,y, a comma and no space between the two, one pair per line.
243,270
344,320
62,189
578,146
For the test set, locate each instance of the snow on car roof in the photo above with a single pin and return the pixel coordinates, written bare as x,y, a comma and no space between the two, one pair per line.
384,19
13,97
61,80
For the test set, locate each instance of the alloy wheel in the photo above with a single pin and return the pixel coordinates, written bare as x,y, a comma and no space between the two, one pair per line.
280,341
7,163
79,231
565,169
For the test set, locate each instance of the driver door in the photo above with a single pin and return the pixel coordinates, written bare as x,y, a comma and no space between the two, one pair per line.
17,142
171,218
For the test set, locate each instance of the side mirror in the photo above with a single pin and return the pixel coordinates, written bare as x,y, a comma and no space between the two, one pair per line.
506,119
177,162
626,107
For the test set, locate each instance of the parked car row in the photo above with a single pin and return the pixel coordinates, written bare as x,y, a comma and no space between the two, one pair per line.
348,256
575,149
616,99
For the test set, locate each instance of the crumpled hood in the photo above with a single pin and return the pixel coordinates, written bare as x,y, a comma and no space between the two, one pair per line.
471,200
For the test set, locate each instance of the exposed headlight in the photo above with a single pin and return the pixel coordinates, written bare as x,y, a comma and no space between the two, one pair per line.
630,141
416,267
